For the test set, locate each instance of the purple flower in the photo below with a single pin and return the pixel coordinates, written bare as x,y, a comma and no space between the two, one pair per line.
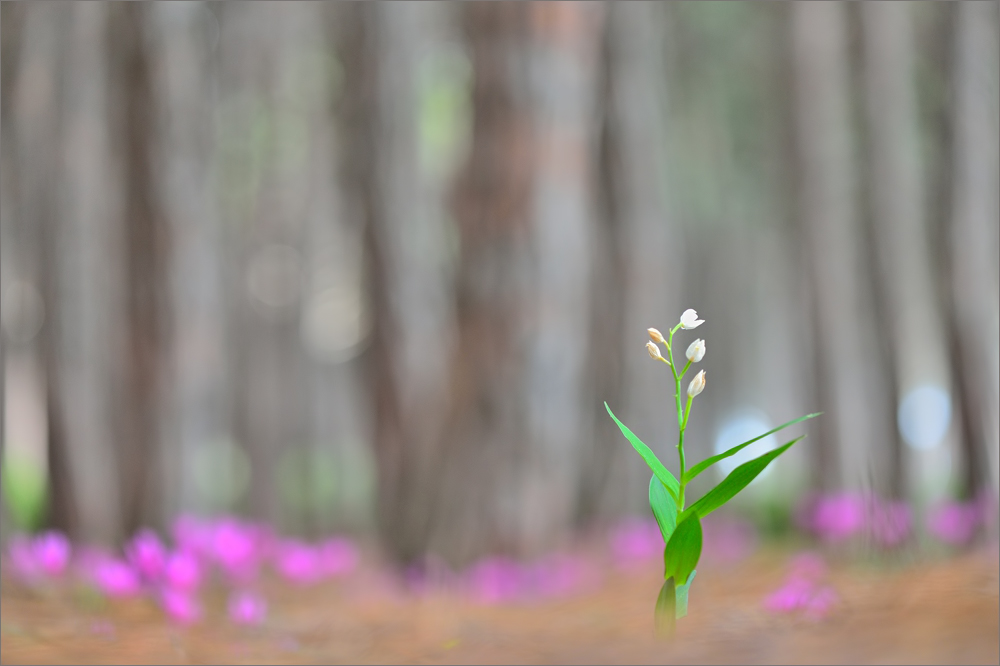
890,523
182,571
800,591
21,556
808,566
635,541
181,606
247,608
193,535
559,575
820,603
147,554
728,540
838,517
495,580
116,578
794,594
338,556
235,548
299,562
953,522
52,551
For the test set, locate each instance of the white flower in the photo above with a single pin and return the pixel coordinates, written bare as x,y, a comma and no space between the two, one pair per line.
690,320
696,350
654,351
655,335
697,384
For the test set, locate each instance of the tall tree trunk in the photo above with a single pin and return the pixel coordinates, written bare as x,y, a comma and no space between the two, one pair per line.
852,392
523,277
901,235
636,270
973,315
145,250
196,400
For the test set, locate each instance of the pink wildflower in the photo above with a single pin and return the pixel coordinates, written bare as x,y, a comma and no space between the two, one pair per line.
147,554
181,606
182,571
21,558
890,522
299,562
247,608
235,548
116,578
339,556
838,517
635,541
953,522
52,551
495,580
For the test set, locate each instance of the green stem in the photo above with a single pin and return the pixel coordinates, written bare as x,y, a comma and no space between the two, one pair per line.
681,420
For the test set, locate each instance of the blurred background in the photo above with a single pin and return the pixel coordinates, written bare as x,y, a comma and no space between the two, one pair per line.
374,267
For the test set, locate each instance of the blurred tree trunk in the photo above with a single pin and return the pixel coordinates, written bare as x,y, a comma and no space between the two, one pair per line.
146,238
906,284
973,319
196,401
13,253
384,50
851,389
523,280
68,192
636,269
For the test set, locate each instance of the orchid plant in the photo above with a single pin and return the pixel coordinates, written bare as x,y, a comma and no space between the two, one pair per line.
680,525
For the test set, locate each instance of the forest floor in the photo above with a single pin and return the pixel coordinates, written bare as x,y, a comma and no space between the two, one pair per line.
930,611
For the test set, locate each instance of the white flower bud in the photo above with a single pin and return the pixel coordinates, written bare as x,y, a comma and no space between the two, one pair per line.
654,351
697,384
690,320
696,350
655,335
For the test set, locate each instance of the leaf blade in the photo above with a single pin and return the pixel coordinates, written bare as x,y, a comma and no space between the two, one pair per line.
683,551
665,614
664,507
661,472
682,595
737,480
708,462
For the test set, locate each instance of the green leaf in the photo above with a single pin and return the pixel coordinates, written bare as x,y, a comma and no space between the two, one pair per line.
735,482
708,462
682,596
665,615
664,508
661,472
683,551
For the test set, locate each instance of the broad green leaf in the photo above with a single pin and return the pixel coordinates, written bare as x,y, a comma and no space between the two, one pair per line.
681,555
735,482
665,615
661,472
708,462
663,506
682,596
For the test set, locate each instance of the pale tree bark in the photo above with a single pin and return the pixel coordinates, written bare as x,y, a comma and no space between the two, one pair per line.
16,256
509,480
637,270
906,284
398,204
145,237
64,126
265,195
196,403
851,389
974,314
